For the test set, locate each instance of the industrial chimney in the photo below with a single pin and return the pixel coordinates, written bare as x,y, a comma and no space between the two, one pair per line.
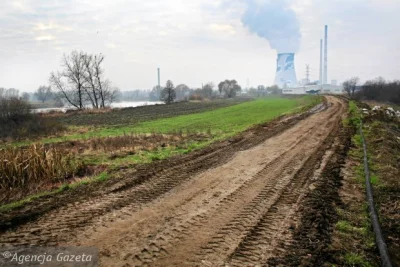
321,64
285,72
326,56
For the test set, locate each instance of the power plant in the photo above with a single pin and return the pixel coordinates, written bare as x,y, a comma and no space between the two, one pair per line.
286,75
285,71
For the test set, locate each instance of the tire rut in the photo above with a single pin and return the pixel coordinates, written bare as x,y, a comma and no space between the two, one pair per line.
230,219
61,224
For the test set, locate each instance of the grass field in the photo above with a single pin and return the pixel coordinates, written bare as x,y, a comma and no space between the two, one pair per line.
227,120
126,116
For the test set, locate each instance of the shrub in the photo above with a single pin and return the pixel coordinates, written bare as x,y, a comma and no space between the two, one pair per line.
17,121
14,110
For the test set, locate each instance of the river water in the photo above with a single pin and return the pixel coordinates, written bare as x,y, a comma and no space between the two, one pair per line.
124,104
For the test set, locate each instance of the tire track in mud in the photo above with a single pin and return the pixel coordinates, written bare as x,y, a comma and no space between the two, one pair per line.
182,227
148,184
235,226
171,244
272,228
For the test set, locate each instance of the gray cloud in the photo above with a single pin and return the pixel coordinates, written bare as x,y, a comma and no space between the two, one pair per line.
274,21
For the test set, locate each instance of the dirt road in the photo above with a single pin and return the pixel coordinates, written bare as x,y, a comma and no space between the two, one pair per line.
232,205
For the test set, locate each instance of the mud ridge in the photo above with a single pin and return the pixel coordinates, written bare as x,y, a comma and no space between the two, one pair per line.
311,239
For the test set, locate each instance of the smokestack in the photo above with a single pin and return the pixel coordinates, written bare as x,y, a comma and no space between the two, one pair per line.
326,56
158,71
320,64
285,72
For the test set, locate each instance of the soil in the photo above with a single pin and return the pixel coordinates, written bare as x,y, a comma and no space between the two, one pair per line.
311,239
240,202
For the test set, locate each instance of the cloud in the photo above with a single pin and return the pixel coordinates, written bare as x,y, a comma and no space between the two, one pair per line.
45,38
274,21
50,27
222,28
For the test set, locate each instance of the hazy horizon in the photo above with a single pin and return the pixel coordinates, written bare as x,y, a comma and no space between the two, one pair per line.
198,41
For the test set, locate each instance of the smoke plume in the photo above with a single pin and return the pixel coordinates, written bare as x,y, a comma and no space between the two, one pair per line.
274,21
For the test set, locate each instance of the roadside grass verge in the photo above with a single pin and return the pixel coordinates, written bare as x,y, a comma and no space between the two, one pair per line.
383,143
353,237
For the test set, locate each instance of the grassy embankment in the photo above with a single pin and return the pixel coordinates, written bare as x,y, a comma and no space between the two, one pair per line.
215,125
382,135
355,240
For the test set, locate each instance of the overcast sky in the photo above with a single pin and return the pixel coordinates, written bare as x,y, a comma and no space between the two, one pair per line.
193,41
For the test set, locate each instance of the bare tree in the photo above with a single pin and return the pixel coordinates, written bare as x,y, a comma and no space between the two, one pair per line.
82,81
65,91
104,87
182,92
350,86
155,93
25,97
274,89
71,81
91,88
229,87
43,93
222,86
168,94
9,93
261,90
208,90
108,93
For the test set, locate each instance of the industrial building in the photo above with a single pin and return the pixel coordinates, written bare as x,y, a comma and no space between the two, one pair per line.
286,74
314,89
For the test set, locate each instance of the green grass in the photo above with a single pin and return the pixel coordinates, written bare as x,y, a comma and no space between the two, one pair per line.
345,226
352,259
354,118
226,121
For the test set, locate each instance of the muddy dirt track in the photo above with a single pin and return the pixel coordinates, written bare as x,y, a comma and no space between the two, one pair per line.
233,204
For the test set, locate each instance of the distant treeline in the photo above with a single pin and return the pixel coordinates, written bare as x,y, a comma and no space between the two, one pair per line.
381,91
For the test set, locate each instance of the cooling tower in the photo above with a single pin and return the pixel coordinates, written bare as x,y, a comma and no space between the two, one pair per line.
285,72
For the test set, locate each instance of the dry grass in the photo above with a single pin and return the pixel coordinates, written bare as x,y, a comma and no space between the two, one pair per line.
35,166
131,142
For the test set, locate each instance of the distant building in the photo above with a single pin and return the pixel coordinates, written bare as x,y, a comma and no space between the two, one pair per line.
312,89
